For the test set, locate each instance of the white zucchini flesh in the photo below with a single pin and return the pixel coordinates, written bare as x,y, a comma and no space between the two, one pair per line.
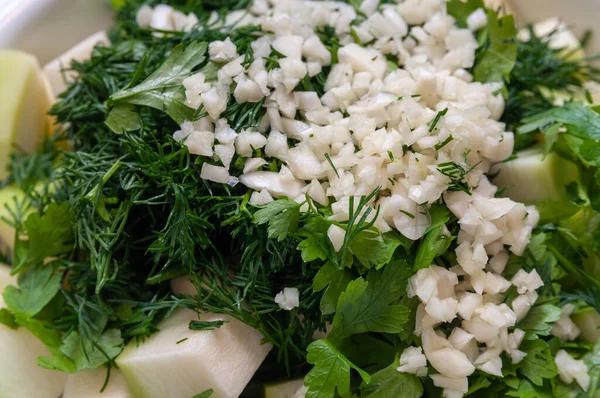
80,52
183,286
534,178
20,376
24,102
8,195
89,383
287,389
5,279
178,362
589,323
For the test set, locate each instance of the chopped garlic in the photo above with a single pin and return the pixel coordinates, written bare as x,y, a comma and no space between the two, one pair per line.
288,298
570,369
565,328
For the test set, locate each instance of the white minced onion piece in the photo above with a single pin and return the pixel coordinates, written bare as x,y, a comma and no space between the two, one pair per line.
162,17
570,369
222,51
565,328
412,360
288,298
214,173
260,198
336,236
143,17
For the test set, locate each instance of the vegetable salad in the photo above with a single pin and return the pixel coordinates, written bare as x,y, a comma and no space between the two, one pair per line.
313,199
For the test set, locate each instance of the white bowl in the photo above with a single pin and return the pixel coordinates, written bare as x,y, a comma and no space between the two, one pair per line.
47,28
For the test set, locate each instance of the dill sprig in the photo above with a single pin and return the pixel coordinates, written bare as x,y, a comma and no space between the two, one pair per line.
457,174
539,72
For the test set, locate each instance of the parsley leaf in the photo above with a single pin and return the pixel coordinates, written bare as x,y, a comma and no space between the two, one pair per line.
36,288
123,118
369,306
540,318
389,383
433,245
282,216
313,248
162,90
205,394
592,360
538,364
335,280
461,10
498,59
315,245
48,235
7,318
331,371
588,151
579,120
528,390
373,249
88,354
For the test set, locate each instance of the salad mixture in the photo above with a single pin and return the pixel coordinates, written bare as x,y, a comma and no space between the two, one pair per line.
291,198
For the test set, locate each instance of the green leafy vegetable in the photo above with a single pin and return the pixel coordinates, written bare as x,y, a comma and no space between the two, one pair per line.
592,361
123,118
205,394
206,325
36,288
335,280
48,235
8,319
538,364
86,354
526,389
497,60
281,215
331,371
161,90
540,318
389,383
580,120
461,10
373,249
369,306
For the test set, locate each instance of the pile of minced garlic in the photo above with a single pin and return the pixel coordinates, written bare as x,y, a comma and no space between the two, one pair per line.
380,126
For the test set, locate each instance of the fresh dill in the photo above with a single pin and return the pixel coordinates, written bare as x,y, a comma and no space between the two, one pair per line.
332,165
436,119
540,73
443,143
456,173
408,214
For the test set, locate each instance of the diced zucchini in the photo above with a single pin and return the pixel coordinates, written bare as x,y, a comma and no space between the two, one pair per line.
9,196
179,363
589,323
24,103
20,376
286,389
532,178
182,285
89,383
80,52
